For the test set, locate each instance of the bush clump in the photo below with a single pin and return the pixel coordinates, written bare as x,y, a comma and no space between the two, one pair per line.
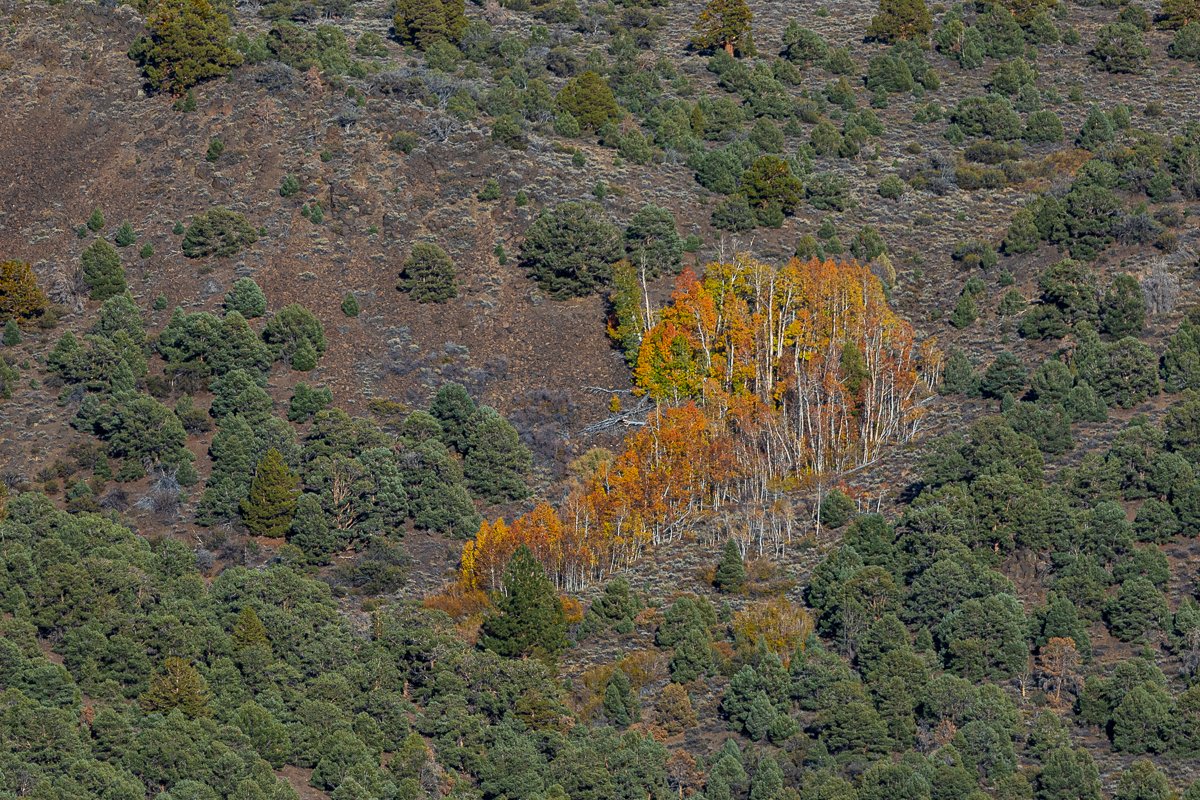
428,274
570,249
217,232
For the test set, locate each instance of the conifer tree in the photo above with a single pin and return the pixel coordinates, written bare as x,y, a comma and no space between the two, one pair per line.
529,618
620,706
725,24
496,463
188,41
588,99
768,780
731,571
1123,309
247,298
428,274
269,508
454,409
125,235
1178,13
177,685
900,19
248,630
310,530
439,497
693,654
102,271
423,22
12,333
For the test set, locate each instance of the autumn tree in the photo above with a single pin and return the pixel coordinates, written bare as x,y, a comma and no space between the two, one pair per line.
21,299
271,504
899,20
1060,658
725,24
187,42
529,617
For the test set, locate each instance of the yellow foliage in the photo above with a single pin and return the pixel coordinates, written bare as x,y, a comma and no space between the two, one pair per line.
20,297
458,601
781,624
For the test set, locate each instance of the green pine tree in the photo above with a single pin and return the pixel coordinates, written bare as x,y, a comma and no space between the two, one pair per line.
177,685
187,41
529,618
248,630
269,508
620,705
125,235
453,407
12,333
428,275
310,530
102,271
900,19
731,571
725,24
496,464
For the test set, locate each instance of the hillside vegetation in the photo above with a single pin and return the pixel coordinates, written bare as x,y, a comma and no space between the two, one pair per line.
594,399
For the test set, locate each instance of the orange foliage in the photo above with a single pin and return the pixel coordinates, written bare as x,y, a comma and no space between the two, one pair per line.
20,296
812,343
458,602
671,471
762,374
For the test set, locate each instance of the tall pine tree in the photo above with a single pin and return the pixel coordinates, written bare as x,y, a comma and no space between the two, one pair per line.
496,462
529,619
269,509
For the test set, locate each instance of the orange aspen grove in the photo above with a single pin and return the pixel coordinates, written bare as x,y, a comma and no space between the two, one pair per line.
767,379
813,341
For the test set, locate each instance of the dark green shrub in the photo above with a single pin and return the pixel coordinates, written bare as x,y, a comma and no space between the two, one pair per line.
734,215
217,232
570,249
102,271
246,298
652,242
836,509
125,235
1119,48
428,274
186,42
900,19
289,186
